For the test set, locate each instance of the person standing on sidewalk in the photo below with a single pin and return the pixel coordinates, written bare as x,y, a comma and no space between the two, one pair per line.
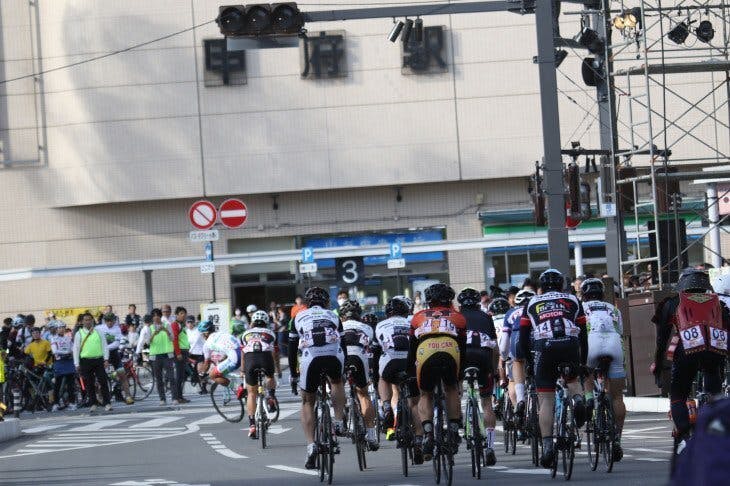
91,358
181,347
161,350
112,332
197,341
63,365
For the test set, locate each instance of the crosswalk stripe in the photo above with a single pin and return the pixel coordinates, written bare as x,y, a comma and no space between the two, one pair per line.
35,451
97,425
44,428
294,469
155,422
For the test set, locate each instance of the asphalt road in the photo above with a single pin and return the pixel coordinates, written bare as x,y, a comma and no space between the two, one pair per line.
145,445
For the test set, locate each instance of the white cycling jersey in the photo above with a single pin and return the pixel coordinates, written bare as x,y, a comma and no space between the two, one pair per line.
317,329
357,336
602,317
393,336
220,344
258,339
605,331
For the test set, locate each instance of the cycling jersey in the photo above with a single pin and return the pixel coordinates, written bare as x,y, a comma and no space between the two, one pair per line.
480,329
440,338
258,339
357,338
62,348
605,329
392,335
509,340
315,332
224,350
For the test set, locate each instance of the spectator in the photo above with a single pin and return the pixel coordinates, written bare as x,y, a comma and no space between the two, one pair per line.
342,297
484,301
24,336
113,336
63,365
196,340
529,285
282,330
166,313
181,346
159,338
511,293
250,309
132,317
132,336
91,358
238,317
39,349
418,304
576,285
5,333
298,306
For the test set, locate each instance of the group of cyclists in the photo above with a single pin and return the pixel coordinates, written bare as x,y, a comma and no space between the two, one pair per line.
545,335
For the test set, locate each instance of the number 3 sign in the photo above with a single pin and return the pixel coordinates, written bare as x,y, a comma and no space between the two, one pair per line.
350,270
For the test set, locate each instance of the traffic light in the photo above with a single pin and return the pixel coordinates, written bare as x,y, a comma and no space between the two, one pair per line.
261,19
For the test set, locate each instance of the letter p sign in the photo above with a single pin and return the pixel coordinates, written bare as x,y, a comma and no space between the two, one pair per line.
395,250
307,254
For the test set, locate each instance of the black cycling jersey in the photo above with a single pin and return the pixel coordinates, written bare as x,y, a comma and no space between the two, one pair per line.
479,328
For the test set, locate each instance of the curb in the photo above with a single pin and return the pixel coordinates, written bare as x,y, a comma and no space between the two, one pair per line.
9,429
647,404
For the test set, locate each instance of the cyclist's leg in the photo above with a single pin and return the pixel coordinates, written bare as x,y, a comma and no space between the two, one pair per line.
251,364
712,367
616,380
334,367
684,370
518,372
389,368
361,387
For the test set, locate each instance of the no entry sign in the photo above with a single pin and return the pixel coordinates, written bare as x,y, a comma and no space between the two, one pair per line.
202,215
233,213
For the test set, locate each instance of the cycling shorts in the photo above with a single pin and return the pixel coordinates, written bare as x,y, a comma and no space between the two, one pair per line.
515,352
607,344
361,364
312,364
231,363
481,358
115,359
437,358
549,353
252,362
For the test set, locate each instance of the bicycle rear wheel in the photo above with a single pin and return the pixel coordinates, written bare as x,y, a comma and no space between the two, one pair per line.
609,434
403,435
448,467
226,403
438,440
568,437
477,448
592,446
534,427
261,421
145,382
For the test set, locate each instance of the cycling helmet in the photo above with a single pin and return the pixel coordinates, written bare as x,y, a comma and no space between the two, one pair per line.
439,295
109,316
551,279
206,326
251,308
370,319
350,310
407,300
498,306
722,284
238,328
19,320
397,307
56,324
592,288
693,280
469,298
147,319
259,316
317,296
523,296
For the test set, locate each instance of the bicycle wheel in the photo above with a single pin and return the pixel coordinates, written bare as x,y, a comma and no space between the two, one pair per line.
145,382
609,434
330,458
477,448
534,429
273,417
568,437
402,435
226,403
592,446
448,464
132,386
438,437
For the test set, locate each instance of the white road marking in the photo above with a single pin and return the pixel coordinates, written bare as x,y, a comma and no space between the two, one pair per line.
287,413
36,451
278,429
155,422
648,420
209,420
632,431
218,446
44,428
231,454
652,459
526,471
642,449
97,425
294,470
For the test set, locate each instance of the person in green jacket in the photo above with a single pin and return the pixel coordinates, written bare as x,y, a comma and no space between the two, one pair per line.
161,352
91,358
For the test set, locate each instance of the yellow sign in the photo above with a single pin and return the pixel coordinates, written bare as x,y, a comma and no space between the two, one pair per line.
69,315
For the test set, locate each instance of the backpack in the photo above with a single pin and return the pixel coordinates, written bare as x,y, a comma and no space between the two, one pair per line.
705,459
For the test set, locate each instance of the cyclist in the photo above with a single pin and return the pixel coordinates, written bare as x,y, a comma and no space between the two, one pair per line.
113,336
557,323
258,346
700,344
315,333
392,335
605,338
437,352
220,348
357,337
63,364
481,339
510,350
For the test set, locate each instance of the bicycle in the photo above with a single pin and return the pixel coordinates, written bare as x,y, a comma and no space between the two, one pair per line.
356,421
375,399
474,433
324,437
139,375
263,417
228,400
564,428
64,395
509,425
37,391
405,436
443,449
532,423
602,425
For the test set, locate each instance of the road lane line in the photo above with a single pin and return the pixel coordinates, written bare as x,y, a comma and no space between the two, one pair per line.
155,422
652,459
44,428
294,470
633,431
642,449
231,454
97,425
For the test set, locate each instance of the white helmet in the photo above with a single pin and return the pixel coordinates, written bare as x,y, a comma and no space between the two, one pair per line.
251,308
722,284
523,295
260,316
56,324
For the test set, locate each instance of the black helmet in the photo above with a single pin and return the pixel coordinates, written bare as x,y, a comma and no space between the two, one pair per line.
498,306
370,319
469,298
397,307
592,288
439,295
350,309
317,296
551,279
694,280
407,300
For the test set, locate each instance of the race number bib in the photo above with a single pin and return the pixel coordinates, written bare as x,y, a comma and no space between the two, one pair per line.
544,331
718,338
692,337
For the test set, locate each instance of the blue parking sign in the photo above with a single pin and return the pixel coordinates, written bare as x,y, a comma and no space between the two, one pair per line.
396,251
307,254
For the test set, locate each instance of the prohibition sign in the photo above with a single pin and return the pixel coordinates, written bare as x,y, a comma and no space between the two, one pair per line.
202,215
233,213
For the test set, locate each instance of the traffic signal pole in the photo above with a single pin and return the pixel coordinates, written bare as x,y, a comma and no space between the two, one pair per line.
558,246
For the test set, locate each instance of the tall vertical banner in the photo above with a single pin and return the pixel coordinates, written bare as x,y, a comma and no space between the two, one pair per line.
219,313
